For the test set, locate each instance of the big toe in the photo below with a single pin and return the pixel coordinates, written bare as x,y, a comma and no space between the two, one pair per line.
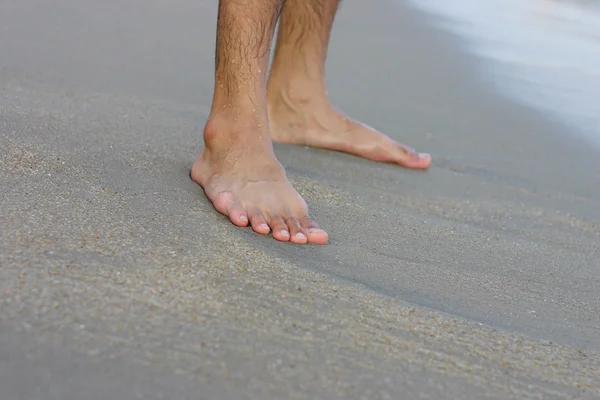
228,205
409,158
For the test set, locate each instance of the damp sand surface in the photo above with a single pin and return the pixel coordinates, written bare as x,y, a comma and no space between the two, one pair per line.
476,279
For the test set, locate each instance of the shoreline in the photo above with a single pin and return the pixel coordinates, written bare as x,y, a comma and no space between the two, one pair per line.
515,69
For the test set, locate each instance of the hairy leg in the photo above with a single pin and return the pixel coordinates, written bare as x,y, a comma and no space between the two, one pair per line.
299,109
237,167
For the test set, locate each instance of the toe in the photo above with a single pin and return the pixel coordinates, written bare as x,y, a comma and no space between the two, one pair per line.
280,229
222,202
297,234
226,204
409,158
238,216
314,234
259,223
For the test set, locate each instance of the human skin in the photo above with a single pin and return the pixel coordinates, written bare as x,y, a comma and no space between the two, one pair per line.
237,168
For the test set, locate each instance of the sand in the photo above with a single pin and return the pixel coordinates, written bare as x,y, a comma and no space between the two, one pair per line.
476,279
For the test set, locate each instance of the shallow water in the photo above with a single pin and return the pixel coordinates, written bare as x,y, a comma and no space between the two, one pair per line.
545,53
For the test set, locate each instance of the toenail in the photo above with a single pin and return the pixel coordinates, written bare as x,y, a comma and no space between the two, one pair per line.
285,233
314,230
424,155
264,226
300,236
243,218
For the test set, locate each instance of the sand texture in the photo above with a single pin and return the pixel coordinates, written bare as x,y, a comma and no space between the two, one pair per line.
477,279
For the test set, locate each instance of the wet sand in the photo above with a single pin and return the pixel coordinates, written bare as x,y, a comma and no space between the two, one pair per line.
476,279
543,53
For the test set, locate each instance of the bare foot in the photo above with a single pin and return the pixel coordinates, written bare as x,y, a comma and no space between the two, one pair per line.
242,178
314,122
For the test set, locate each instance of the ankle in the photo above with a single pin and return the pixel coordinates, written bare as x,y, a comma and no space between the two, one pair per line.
225,133
296,90
229,130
